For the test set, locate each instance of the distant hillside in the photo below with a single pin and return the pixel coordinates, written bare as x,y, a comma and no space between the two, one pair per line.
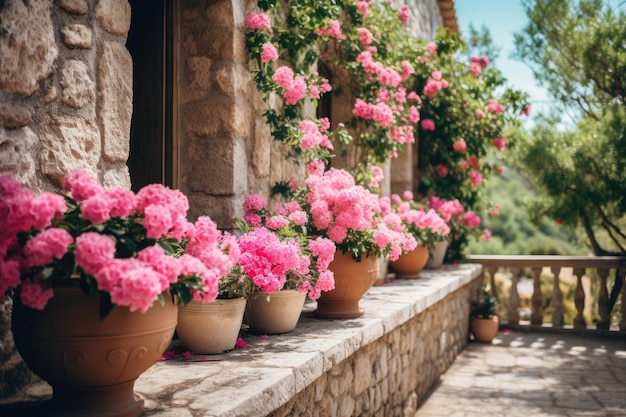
513,231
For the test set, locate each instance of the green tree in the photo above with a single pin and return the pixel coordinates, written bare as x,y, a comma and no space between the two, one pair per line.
576,50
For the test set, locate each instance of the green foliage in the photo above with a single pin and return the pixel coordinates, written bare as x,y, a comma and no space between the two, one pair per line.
518,230
577,51
484,304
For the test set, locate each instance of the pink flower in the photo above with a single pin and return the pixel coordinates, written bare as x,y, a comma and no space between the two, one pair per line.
241,344
432,48
495,210
473,161
499,170
471,219
407,195
480,114
122,202
254,202
432,87
363,7
404,14
33,296
428,124
365,36
258,21
268,53
283,76
333,30
161,262
47,246
295,91
44,208
475,69
82,185
315,168
378,176
499,143
97,209
460,146
525,110
441,170
414,114
475,178
486,236
93,250
266,259
494,107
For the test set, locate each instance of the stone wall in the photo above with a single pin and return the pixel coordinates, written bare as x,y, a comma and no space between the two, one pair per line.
388,377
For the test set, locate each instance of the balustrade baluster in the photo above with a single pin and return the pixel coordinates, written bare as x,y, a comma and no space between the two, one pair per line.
603,301
557,300
579,299
492,280
513,313
536,317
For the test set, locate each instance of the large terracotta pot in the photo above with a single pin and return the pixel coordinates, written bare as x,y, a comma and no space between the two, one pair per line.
408,266
91,364
210,328
352,280
484,330
274,313
437,254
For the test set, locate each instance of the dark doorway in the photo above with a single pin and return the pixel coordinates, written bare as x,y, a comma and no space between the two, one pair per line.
150,41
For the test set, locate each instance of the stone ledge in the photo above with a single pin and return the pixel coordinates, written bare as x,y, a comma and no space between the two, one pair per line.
262,378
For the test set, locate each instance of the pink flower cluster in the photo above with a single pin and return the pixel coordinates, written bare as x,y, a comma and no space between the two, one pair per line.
494,107
339,205
434,84
132,279
259,21
477,64
296,88
276,255
312,135
426,226
453,213
333,30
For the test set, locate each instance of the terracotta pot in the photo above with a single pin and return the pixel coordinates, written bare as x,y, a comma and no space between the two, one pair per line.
352,280
274,313
484,330
210,328
437,255
408,266
91,364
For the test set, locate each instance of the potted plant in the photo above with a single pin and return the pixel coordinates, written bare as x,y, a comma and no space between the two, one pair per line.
484,320
212,327
280,264
94,264
350,216
424,224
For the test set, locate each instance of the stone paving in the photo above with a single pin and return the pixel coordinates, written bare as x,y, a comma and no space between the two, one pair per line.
533,375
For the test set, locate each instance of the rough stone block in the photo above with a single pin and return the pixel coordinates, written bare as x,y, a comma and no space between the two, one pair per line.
217,167
78,88
71,143
73,6
115,100
27,45
17,156
77,36
113,16
13,116
362,373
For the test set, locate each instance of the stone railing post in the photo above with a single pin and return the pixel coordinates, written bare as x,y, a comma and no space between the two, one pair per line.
536,317
557,299
579,299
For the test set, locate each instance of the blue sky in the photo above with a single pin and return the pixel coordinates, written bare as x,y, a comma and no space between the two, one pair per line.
503,18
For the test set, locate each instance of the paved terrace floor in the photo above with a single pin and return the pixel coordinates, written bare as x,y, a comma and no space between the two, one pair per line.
533,375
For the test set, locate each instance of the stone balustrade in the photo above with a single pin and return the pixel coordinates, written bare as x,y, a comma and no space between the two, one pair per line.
381,364
607,271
